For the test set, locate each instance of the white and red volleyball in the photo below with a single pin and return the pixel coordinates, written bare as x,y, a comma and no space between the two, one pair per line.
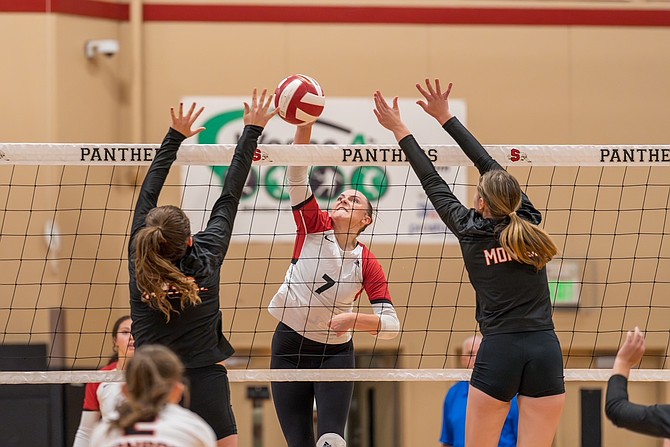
300,99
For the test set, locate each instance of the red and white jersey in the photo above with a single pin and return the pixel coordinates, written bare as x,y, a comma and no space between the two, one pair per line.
104,397
323,280
174,427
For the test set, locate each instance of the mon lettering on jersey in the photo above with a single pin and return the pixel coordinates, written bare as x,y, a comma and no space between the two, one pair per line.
323,280
496,256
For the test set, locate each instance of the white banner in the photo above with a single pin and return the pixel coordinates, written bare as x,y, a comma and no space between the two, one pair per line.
265,211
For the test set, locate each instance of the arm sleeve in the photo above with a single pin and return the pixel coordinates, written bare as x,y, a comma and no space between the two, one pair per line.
298,184
470,146
377,289
155,178
446,204
89,420
220,225
484,163
653,420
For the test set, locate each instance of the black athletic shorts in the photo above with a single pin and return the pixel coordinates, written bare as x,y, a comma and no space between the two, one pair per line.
527,363
292,350
210,398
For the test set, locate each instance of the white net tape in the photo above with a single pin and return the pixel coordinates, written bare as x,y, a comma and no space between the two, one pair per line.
325,375
341,155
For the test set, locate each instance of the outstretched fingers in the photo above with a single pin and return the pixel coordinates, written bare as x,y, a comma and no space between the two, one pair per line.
266,100
184,123
258,111
380,102
446,94
430,88
254,98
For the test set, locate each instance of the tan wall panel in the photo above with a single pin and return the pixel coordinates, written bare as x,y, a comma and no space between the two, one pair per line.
515,80
207,59
26,81
619,95
88,91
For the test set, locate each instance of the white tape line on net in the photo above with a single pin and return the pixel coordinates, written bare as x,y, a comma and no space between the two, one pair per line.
91,154
332,375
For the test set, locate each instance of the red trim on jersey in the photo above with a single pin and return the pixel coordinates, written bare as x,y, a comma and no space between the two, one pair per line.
374,279
309,218
91,397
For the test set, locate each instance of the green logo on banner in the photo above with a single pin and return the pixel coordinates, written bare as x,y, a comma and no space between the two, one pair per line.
209,136
371,181
214,125
274,182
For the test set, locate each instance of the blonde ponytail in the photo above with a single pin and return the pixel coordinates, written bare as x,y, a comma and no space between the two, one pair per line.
524,241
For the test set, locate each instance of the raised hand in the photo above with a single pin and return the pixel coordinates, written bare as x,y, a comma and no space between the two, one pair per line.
437,102
184,123
389,116
630,353
258,112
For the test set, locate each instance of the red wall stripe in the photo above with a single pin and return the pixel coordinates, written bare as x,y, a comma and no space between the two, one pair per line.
348,14
405,15
92,8
22,6
86,8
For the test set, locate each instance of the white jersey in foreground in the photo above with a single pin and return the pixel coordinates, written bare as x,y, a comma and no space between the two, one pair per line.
174,427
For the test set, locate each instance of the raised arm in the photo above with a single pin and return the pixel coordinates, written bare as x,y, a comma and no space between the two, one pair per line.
160,167
651,420
307,214
436,104
447,205
298,183
220,225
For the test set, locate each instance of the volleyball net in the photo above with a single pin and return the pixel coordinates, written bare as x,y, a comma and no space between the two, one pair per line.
65,214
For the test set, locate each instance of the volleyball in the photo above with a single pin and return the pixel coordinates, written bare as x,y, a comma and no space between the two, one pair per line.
300,99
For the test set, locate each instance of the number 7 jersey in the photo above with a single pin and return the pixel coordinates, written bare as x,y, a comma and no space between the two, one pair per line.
323,280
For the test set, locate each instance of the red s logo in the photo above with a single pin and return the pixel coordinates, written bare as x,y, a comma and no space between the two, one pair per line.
258,155
515,155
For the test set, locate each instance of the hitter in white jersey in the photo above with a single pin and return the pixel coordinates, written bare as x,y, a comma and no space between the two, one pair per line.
315,306
151,416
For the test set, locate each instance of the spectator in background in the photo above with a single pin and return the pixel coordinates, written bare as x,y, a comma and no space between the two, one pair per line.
101,399
455,404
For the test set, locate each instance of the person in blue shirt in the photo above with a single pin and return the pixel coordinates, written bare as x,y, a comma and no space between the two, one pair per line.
455,404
